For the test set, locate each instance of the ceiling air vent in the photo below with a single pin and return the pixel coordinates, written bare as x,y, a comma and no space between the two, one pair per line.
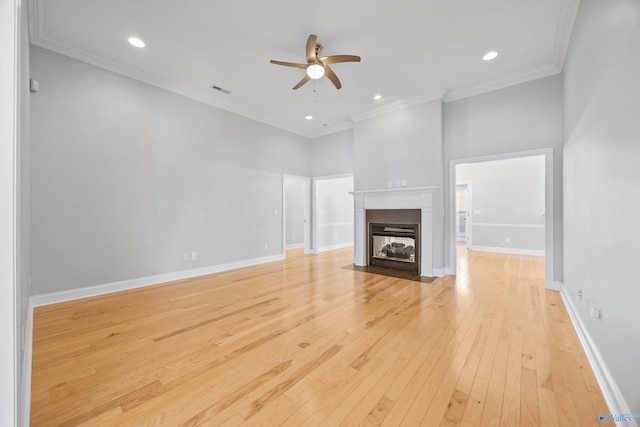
219,89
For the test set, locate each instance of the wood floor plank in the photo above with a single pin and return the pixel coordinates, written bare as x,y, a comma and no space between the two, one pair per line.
306,342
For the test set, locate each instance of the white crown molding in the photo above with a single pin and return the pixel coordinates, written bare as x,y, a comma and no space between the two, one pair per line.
489,86
566,19
398,105
329,130
194,94
39,38
564,29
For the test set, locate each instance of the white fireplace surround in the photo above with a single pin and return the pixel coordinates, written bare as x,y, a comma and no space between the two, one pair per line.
395,198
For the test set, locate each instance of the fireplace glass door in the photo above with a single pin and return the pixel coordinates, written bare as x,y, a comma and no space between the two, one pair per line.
394,246
402,249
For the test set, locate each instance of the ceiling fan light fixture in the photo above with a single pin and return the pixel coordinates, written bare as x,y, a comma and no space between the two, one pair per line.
315,71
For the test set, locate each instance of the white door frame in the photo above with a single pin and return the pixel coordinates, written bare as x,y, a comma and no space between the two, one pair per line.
307,210
548,207
467,188
10,14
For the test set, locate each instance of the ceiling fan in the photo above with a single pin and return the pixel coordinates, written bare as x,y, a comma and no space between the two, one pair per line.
318,66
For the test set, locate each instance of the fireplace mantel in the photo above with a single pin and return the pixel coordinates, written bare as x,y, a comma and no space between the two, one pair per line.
395,198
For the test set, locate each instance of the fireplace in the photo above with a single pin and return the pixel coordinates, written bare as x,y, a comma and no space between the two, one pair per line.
395,246
409,205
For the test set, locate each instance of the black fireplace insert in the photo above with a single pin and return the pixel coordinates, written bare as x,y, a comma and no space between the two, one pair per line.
395,246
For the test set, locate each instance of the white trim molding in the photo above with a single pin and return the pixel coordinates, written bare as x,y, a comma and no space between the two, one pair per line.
487,224
612,395
489,86
107,288
564,27
332,247
502,250
398,105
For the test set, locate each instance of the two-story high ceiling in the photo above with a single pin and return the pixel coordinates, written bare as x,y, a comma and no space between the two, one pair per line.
412,50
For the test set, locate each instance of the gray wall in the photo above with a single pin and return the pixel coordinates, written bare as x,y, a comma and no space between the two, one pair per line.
295,190
400,145
518,118
507,202
601,176
332,154
128,177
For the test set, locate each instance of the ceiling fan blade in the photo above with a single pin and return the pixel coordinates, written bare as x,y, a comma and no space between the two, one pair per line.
334,59
289,64
311,48
332,76
305,79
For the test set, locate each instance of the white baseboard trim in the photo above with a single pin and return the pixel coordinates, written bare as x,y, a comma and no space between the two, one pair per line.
27,357
610,390
295,246
555,286
107,288
514,251
332,247
438,272
448,271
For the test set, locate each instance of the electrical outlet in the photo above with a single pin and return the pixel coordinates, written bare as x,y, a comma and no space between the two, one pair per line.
507,239
580,294
185,256
404,182
595,313
194,256
398,183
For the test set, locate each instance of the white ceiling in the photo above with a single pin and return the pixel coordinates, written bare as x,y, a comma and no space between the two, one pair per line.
412,50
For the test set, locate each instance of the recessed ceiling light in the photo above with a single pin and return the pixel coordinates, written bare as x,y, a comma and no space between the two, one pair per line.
490,55
377,96
308,117
136,42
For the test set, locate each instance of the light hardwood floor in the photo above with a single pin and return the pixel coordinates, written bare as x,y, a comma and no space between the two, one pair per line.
307,342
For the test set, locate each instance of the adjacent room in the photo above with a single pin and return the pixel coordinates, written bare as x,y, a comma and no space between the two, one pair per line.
319,213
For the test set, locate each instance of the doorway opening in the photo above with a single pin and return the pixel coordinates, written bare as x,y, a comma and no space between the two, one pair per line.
510,209
296,207
333,214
